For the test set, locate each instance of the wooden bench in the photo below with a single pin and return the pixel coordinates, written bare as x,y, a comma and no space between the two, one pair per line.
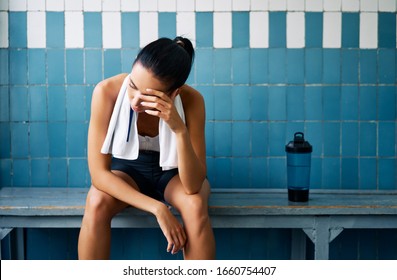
322,219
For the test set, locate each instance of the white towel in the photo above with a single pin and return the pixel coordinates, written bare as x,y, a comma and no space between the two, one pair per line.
121,129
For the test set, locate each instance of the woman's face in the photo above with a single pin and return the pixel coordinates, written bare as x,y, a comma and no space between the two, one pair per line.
141,79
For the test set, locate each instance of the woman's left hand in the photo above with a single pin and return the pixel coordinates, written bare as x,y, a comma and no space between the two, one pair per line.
162,105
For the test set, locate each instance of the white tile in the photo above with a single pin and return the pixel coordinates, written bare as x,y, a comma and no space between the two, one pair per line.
167,6
333,5
368,6
148,28
295,30
148,5
259,5
350,5
4,5
277,5
222,5
92,5
17,5
129,5
74,30
73,5
111,5
204,5
314,6
387,5
259,29
3,30
296,5
186,26
35,5
368,30
55,5
36,25
185,5
222,29
332,30
111,30
240,5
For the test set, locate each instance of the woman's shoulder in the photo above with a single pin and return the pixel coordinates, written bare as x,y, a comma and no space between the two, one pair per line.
189,95
110,87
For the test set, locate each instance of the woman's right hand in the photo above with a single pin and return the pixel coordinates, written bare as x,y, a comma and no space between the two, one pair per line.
172,230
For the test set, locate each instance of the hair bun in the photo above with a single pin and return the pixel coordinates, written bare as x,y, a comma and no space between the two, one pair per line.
186,44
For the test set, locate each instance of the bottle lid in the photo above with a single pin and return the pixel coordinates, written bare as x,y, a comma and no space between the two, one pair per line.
299,145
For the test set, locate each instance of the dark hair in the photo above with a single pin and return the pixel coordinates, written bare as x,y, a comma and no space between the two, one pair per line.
169,60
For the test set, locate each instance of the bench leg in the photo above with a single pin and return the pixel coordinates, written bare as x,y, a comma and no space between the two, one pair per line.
19,244
298,245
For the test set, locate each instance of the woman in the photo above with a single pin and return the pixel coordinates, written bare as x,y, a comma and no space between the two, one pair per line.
167,119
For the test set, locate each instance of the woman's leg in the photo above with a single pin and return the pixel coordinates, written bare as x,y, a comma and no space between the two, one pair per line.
194,210
95,232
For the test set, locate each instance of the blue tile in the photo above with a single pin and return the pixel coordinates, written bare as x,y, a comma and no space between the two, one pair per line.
368,66
167,25
387,139
241,103
241,31
387,173
77,173
36,66
387,66
259,174
204,70
331,139
293,127
93,34
19,101
277,138
350,65
57,139
277,173
5,140
208,94
386,30
368,173
314,103
331,102
314,29
223,101
259,141
38,140
277,65
296,103
129,30
295,66
112,63
367,139
5,171
331,173
223,139
314,66
4,66
314,134
75,103
259,103
55,27
19,140
93,66
386,103
259,61
316,173
223,171
368,98
18,67
39,176
17,29
204,29
277,103
38,103
55,66
76,133
350,174
240,66
56,103
21,173
331,66
349,103
222,66
241,172
350,139
277,29
241,139
74,66
127,58
350,30
4,104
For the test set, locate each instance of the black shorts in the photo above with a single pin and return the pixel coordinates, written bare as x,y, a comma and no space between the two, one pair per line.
147,173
